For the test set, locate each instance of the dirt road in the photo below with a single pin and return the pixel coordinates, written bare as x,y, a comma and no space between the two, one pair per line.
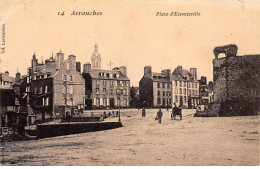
142,141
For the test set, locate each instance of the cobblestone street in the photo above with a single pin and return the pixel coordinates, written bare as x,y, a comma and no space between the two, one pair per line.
142,141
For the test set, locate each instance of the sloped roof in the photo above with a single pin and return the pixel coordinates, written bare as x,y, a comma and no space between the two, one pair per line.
94,73
6,77
163,78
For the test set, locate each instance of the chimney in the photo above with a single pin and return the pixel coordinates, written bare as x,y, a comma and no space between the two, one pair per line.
78,67
59,60
72,62
34,63
86,68
122,69
17,76
6,72
193,72
203,80
148,70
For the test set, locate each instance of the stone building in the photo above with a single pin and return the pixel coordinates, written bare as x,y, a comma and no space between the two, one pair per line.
155,88
105,88
236,82
205,92
55,88
185,87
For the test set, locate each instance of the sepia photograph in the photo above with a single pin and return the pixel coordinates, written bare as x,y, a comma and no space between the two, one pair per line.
129,83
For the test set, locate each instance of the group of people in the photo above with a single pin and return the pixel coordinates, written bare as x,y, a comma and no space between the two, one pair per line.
175,111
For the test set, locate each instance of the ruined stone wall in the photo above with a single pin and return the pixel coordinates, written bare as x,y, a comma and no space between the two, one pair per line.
236,84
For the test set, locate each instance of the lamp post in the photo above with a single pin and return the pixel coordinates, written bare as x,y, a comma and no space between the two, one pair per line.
118,91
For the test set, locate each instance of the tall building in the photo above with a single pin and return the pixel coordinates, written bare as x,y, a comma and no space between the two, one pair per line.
105,88
96,59
185,87
55,88
155,88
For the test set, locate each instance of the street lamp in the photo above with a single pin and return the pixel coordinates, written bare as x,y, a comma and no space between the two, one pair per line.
118,91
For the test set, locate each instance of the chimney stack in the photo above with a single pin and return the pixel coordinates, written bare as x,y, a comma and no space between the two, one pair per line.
59,60
86,68
122,69
148,70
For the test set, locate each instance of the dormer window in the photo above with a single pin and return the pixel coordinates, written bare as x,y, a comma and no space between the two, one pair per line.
107,75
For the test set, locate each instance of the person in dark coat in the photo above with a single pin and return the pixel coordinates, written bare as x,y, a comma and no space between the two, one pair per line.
143,112
159,115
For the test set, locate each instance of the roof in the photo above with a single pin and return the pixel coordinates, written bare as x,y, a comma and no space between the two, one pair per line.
176,77
5,77
159,77
95,74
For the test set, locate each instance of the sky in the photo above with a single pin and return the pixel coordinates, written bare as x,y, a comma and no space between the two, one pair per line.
128,33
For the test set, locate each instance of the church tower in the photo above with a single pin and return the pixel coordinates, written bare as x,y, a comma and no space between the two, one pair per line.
96,59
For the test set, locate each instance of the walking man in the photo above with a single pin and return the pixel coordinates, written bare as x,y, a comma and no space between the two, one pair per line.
143,112
159,115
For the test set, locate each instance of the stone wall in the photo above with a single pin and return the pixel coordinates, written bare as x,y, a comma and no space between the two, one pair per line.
236,84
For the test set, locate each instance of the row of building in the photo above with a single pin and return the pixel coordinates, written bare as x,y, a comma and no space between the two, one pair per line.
58,87
180,88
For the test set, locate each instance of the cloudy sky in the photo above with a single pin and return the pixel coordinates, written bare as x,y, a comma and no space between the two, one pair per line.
128,32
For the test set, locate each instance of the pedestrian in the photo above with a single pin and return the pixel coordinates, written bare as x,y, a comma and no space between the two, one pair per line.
159,116
143,112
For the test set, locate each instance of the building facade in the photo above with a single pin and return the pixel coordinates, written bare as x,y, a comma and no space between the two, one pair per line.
205,92
55,88
155,89
185,87
105,88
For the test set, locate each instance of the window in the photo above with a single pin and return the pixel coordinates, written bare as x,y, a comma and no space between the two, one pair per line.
71,102
158,84
97,90
17,101
163,93
71,78
168,85
195,85
184,90
124,91
118,83
180,91
111,92
125,102
176,99
192,85
176,83
40,92
176,90
97,83
64,78
185,99
159,101
35,90
111,83
46,89
184,84
107,75
181,83
104,83
159,93
104,90
105,101
163,85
